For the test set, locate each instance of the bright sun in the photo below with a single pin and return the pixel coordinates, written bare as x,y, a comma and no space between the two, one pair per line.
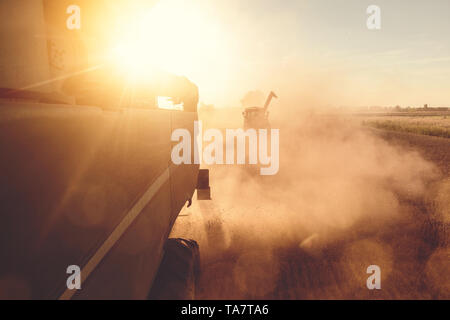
172,36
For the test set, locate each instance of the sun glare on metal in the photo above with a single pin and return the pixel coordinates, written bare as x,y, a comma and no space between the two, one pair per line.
168,104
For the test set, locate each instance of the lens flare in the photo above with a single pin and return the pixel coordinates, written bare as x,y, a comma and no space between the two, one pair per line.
173,36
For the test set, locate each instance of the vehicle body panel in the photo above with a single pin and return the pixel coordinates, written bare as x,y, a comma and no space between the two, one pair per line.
69,177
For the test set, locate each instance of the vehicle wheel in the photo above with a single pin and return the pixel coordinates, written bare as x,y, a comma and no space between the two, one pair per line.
178,272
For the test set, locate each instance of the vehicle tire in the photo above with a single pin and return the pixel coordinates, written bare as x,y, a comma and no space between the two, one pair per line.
178,272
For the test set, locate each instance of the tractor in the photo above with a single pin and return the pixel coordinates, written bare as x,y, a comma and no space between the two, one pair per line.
258,117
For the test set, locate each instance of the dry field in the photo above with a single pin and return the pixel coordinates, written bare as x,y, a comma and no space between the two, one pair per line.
346,197
436,125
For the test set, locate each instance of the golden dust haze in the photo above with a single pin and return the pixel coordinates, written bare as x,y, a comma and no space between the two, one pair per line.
296,47
342,190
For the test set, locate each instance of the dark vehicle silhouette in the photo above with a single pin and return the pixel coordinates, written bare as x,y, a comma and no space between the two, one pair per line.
257,117
87,177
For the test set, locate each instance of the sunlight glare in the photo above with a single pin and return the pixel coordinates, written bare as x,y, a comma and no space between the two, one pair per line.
173,36
168,104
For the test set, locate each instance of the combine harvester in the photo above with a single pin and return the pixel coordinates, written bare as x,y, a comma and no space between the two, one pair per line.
257,117
87,177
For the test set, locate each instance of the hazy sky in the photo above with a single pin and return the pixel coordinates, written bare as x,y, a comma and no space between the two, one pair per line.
311,52
321,52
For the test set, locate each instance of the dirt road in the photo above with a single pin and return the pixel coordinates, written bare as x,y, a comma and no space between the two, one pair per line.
251,249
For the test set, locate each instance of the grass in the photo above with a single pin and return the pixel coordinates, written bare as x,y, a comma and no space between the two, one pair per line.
432,126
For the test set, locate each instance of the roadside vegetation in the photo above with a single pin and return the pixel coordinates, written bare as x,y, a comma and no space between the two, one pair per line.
438,126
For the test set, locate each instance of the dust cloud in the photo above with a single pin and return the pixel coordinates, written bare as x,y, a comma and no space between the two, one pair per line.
336,206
